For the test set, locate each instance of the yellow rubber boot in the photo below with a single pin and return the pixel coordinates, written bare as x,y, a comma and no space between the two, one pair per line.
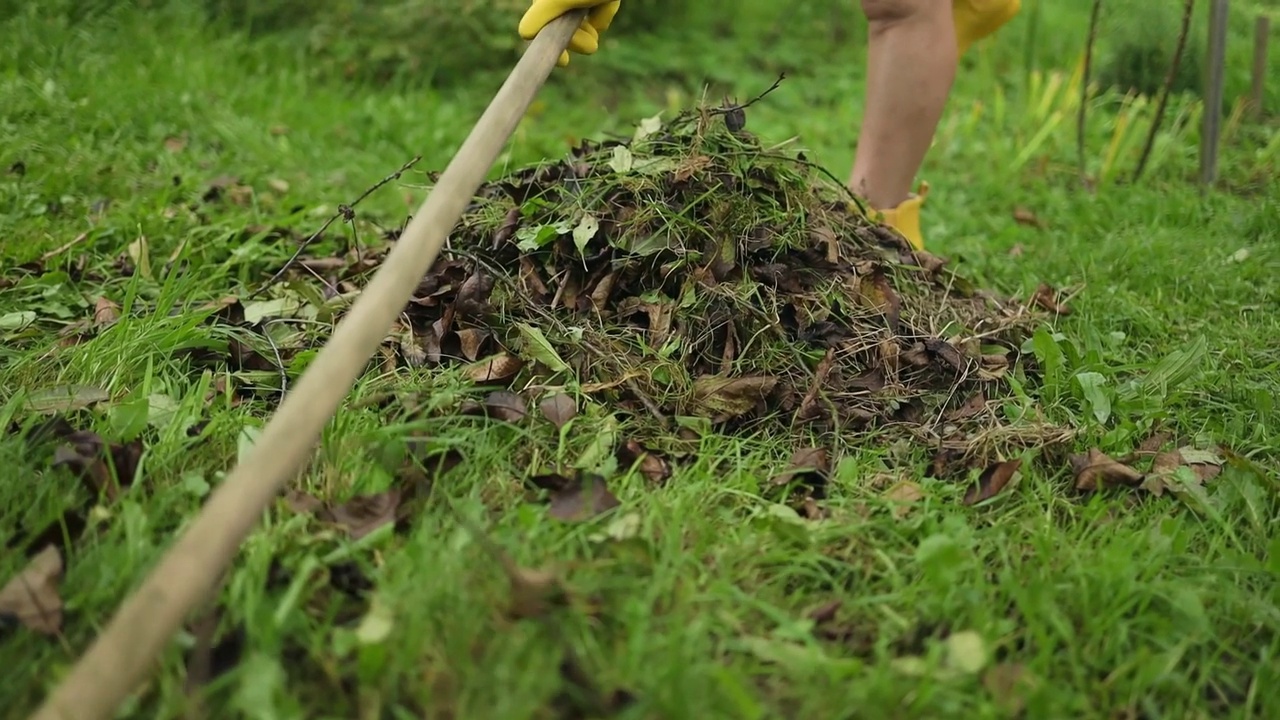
905,218
976,19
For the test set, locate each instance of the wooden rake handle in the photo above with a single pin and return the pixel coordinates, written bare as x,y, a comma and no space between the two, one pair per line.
120,658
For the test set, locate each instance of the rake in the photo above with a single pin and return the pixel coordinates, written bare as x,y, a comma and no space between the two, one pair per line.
119,659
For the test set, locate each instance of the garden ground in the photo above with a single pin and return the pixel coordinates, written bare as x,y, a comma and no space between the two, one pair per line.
156,164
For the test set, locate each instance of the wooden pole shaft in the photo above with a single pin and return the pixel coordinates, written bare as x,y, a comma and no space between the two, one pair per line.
122,656
1214,81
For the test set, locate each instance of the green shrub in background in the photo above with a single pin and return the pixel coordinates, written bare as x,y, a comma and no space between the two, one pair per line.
1136,43
416,40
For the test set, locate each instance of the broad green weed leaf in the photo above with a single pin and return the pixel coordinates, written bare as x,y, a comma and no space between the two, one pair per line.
537,347
17,320
536,237
1177,367
1094,393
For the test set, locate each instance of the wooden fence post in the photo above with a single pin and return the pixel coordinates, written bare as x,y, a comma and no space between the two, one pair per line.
1214,80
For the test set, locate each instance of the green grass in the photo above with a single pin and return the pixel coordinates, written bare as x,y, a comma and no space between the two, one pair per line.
694,595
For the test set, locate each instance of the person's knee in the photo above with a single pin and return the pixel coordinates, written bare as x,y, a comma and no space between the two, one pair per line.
885,13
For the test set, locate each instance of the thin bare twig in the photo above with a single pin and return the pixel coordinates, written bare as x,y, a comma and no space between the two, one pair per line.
1187,8
346,212
1082,116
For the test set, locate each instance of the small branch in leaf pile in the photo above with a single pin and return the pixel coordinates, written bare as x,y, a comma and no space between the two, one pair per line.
735,116
1187,8
346,212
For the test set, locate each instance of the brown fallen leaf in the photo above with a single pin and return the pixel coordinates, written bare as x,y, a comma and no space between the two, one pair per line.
826,612
473,297
1008,685
810,466
105,312
1164,475
552,482
927,261
175,144
471,341
730,397
824,237
1096,468
904,494
359,515
1046,297
689,167
302,503
879,294
105,468
494,369
506,406
558,409
582,500
973,406
652,465
992,481
1024,216
1152,445
363,514
1017,250
411,349
945,351
31,597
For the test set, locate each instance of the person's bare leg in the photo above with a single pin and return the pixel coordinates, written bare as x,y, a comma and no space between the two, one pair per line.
911,63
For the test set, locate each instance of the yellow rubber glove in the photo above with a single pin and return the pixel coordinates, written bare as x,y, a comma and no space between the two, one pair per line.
976,19
586,39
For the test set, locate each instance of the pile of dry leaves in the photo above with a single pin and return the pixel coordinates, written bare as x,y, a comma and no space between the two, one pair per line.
690,272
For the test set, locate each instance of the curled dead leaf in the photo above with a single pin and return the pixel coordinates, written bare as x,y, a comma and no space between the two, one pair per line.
363,514
473,296
498,368
105,312
359,515
1046,297
653,466
730,397
992,481
1096,468
811,466
471,341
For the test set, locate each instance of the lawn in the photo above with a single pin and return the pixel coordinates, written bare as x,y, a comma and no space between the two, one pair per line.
159,166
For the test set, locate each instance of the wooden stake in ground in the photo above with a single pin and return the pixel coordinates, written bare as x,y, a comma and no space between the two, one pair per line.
1213,92
1188,6
126,651
1258,90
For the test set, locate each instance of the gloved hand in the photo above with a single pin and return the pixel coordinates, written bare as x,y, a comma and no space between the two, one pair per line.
976,19
586,39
